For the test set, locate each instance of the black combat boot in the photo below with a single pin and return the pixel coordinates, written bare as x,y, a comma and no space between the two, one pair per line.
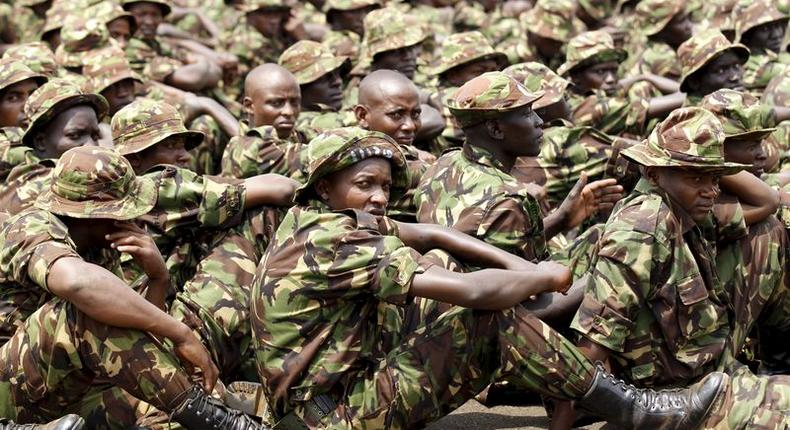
199,411
638,408
69,422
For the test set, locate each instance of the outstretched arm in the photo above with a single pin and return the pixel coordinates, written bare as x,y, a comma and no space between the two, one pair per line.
758,199
269,189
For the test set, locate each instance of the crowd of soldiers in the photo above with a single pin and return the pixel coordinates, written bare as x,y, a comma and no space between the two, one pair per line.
361,214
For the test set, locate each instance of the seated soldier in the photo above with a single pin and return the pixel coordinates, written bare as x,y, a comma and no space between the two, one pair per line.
120,24
710,62
661,305
663,25
62,257
760,25
355,328
346,19
318,73
273,144
549,25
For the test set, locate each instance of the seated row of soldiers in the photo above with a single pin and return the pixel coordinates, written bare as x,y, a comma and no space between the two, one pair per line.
371,231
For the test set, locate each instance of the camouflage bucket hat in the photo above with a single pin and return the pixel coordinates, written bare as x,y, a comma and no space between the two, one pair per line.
35,55
106,67
777,92
721,15
341,5
56,16
78,36
553,19
163,5
537,78
599,10
690,138
54,97
654,15
462,48
249,6
13,71
489,96
334,150
95,182
590,47
388,29
741,114
755,13
108,11
701,49
145,122
308,61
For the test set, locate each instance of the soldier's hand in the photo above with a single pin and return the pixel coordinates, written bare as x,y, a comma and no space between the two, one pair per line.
193,355
561,276
586,200
133,240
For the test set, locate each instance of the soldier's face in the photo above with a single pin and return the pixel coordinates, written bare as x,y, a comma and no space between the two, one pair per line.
170,151
119,95
557,110
148,16
76,126
120,30
364,186
269,23
12,102
678,30
767,36
547,48
601,76
459,75
520,132
396,114
694,191
276,104
725,71
350,20
327,90
403,60
749,152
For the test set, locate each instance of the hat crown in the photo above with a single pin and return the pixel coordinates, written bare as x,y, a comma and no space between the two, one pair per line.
587,45
144,120
654,15
553,19
738,112
752,13
461,48
105,67
13,71
536,78
80,34
36,55
349,4
90,173
492,90
47,96
304,54
690,135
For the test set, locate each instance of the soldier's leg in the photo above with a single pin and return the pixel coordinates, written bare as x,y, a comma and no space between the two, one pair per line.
51,364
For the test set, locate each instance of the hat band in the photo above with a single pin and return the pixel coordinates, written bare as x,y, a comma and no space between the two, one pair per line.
137,129
686,158
101,191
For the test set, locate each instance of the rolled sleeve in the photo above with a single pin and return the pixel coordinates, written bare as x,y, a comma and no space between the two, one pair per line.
43,257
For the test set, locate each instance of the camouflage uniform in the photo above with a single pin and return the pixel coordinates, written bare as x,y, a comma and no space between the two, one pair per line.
699,50
552,19
346,43
59,357
320,371
27,25
29,179
37,56
260,151
105,68
12,152
458,49
651,56
663,296
309,61
777,93
621,114
761,67
80,36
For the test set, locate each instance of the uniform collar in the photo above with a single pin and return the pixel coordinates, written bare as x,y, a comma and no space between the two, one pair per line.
481,156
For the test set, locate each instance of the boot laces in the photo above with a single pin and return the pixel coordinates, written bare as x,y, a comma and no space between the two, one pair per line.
649,398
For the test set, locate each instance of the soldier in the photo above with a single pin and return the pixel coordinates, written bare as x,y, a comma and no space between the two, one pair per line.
710,62
463,56
777,94
79,36
392,41
37,56
318,73
665,25
120,23
660,303
549,25
365,332
760,25
78,228
272,102
346,19
29,19
108,73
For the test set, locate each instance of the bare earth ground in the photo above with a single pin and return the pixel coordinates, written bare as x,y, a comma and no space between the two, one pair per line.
474,416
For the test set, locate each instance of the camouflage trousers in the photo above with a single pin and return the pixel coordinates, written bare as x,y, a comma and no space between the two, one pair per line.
62,361
443,356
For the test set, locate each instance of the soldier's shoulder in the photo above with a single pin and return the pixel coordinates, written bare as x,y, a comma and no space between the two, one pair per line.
645,214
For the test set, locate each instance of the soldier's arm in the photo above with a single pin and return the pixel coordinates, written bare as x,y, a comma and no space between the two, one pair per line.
490,289
583,201
200,75
269,189
197,105
781,113
661,106
758,199
665,85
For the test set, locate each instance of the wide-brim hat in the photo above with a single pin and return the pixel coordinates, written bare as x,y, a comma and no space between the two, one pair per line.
609,54
693,46
489,96
442,67
337,149
164,6
647,155
134,205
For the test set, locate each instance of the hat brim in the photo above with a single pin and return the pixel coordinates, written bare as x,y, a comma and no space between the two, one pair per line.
120,78
328,65
751,135
97,102
643,155
138,202
38,77
166,9
193,139
616,54
478,115
740,50
499,57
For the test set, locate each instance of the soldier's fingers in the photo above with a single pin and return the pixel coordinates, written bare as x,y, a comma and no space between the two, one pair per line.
603,183
130,226
610,198
129,249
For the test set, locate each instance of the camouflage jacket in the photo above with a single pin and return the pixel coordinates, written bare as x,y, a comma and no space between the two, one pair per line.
30,243
312,123
611,115
317,295
452,136
654,297
657,58
260,151
404,208
155,60
252,48
344,43
12,152
759,69
24,183
467,189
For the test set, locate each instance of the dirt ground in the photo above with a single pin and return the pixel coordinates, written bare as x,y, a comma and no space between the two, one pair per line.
474,416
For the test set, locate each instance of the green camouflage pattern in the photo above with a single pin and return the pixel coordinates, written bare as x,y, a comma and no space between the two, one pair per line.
590,47
313,123
35,55
653,15
12,153
78,36
388,29
690,138
741,114
25,182
155,59
452,135
13,71
658,58
553,19
343,44
720,15
54,97
144,123
597,9
57,14
759,69
489,96
338,319
702,48
107,11
777,93
252,48
105,68
462,48
261,151
750,14
621,114
164,5
308,61
253,5
334,150
331,5
27,25
469,190
95,182
538,78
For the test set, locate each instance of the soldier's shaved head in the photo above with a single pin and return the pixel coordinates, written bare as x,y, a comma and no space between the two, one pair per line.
272,97
389,102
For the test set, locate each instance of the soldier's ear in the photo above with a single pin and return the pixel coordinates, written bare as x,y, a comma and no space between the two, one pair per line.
322,189
247,104
361,112
39,144
650,173
492,126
